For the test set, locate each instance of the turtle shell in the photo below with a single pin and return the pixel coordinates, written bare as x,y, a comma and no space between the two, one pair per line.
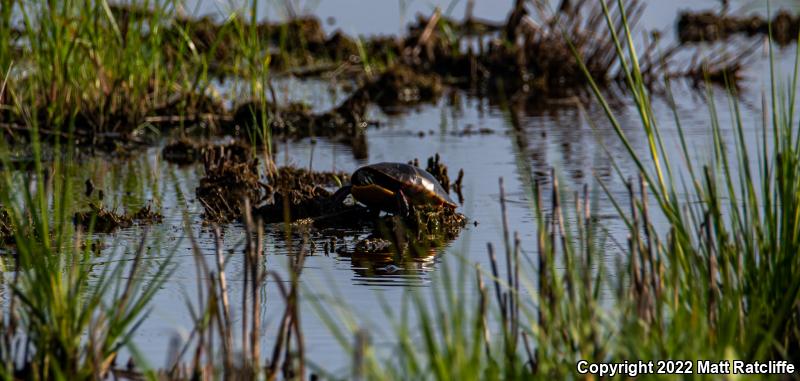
376,185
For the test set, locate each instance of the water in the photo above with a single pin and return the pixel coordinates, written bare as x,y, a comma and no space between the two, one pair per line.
523,143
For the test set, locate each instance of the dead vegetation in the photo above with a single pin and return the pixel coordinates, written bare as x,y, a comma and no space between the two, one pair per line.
183,152
402,85
416,235
303,197
439,171
6,227
295,193
102,220
345,123
230,184
710,26
526,57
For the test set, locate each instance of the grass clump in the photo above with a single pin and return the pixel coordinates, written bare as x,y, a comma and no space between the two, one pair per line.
64,319
729,268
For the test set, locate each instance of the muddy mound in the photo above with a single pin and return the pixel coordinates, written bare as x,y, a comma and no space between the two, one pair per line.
186,151
182,152
710,26
297,120
296,193
424,230
229,185
103,220
402,85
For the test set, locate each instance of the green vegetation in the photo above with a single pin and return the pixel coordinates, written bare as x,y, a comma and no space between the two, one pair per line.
64,318
717,279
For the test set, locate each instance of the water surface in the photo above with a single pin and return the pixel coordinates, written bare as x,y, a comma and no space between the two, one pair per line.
523,144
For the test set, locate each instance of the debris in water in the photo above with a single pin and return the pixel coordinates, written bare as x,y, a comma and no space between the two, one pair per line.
373,246
709,26
186,151
457,186
106,221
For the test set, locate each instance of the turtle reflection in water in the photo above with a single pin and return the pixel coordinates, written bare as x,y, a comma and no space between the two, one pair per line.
394,188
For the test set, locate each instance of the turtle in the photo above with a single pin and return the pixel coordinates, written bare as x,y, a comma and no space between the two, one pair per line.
394,188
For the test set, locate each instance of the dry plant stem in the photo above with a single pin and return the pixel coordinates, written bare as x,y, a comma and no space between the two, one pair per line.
484,304
712,273
531,354
253,263
290,323
295,305
510,299
558,223
544,294
283,328
501,301
516,325
245,328
422,42
223,290
361,345
632,238
651,246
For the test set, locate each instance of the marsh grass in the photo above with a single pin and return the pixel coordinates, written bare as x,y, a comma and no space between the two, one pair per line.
226,339
114,71
63,318
729,261
86,64
716,280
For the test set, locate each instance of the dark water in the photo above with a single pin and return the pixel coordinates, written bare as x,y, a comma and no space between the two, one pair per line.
523,143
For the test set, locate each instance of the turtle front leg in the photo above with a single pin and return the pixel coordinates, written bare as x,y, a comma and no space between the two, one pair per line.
403,207
337,199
